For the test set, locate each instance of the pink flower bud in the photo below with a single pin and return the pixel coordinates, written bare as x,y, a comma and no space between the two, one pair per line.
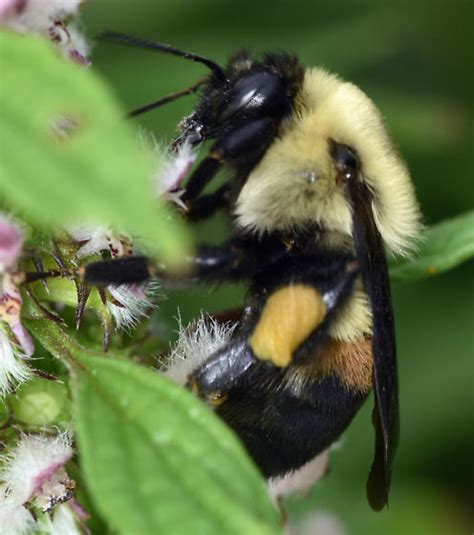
173,172
176,169
24,339
10,312
11,243
76,56
9,8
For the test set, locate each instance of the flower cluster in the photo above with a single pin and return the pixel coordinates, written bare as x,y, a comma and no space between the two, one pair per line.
50,19
15,342
33,477
127,303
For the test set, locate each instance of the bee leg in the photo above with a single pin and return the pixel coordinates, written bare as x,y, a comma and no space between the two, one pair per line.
201,176
251,140
206,205
236,259
126,270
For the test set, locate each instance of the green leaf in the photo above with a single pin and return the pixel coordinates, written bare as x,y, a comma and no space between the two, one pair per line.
445,246
156,460
98,173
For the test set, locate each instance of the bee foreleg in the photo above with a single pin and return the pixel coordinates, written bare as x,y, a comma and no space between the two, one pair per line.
250,140
206,205
234,260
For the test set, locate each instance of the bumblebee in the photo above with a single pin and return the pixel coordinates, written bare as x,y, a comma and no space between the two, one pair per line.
317,193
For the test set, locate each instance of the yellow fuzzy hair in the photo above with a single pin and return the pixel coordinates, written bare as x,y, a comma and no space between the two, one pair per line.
295,182
353,320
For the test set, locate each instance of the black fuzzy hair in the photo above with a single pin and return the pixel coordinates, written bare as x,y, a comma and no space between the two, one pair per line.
215,92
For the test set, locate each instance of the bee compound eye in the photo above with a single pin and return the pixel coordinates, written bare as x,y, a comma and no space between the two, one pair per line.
344,156
258,92
348,158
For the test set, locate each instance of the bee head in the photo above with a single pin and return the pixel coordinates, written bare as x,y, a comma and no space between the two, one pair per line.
249,90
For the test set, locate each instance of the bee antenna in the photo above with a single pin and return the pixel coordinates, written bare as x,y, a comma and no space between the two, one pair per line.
163,47
166,99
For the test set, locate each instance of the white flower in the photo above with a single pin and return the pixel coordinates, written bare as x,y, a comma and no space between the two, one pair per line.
38,15
130,303
34,471
13,369
93,238
48,18
14,518
72,43
62,522
172,168
195,344
33,474
96,239
176,168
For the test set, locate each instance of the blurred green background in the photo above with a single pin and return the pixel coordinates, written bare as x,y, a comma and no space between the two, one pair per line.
415,60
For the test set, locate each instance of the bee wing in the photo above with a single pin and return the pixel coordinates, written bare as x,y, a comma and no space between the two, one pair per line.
373,267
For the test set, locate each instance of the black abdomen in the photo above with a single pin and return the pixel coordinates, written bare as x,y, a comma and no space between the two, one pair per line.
283,430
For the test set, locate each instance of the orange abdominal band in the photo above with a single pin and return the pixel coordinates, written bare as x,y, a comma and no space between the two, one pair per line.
290,315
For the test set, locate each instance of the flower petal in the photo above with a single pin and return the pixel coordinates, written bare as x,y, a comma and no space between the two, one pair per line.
29,469
130,303
24,339
14,518
13,369
11,243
